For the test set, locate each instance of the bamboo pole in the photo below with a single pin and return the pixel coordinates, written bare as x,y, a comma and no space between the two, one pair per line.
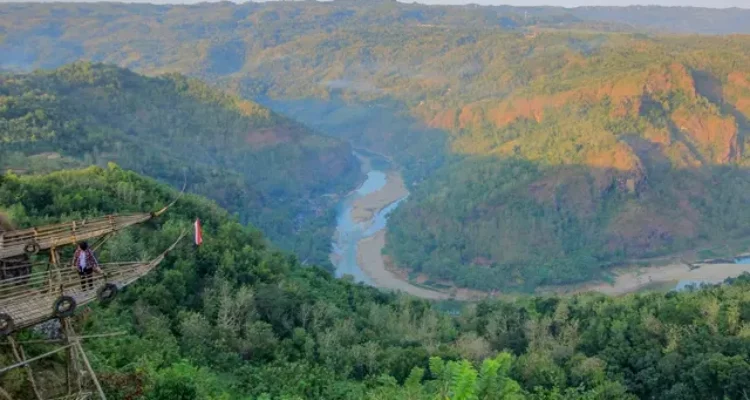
53,341
75,371
30,360
21,356
90,370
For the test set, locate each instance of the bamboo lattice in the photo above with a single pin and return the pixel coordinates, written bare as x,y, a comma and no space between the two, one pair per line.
18,242
29,299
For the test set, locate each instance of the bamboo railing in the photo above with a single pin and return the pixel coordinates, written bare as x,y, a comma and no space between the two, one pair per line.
18,242
24,241
29,300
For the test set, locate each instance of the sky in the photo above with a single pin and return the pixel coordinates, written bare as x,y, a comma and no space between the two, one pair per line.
578,3
562,3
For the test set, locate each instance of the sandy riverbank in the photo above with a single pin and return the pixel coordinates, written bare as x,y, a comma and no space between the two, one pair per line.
369,250
365,208
630,280
634,279
370,260
627,280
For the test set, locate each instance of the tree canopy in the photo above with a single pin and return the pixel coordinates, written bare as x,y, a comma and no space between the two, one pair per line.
628,128
236,318
271,170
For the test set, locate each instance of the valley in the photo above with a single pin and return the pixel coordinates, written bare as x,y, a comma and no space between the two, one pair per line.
360,232
396,201
540,163
360,239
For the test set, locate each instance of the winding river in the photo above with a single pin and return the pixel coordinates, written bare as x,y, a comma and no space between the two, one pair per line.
350,233
360,237
360,234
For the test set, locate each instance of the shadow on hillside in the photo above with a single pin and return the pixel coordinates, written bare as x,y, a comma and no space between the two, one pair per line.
384,127
712,89
490,223
543,224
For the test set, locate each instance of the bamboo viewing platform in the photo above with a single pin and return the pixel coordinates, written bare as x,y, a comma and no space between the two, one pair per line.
29,300
32,240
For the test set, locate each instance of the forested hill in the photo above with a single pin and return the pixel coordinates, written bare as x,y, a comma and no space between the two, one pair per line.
594,155
539,145
216,39
235,319
273,171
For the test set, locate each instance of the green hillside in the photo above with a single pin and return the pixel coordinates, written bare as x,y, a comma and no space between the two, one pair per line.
587,150
543,144
236,319
269,169
634,151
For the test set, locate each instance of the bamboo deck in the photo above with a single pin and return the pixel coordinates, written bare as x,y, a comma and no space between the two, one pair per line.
29,299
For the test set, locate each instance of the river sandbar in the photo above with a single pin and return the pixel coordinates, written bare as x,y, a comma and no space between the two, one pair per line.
370,260
365,207
628,281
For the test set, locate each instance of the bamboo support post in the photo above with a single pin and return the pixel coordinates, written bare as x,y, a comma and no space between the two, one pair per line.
30,360
90,370
4,394
73,366
20,356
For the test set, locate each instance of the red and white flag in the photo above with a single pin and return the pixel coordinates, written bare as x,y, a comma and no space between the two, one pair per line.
198,233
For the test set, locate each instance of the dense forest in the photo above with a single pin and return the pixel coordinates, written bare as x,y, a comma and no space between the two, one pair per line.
635,153
541,146
272,171
237,319
218,39
624,143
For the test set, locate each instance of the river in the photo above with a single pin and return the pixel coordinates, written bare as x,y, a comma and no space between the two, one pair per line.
360,231
349,232
360,238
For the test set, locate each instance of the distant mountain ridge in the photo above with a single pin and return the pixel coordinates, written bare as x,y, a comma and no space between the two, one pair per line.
48,35
672,19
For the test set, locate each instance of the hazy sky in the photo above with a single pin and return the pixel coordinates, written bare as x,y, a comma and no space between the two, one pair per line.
564,3
576,3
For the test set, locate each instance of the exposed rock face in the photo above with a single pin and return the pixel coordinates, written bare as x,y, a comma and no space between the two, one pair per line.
714,136
631,139
689,130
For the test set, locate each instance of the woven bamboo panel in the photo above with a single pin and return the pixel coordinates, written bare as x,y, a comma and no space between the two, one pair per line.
14,243
29,300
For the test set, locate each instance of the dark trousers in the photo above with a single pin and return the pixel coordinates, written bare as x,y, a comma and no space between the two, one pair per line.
87,278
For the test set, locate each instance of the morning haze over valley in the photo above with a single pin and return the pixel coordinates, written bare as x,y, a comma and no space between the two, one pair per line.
375,200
